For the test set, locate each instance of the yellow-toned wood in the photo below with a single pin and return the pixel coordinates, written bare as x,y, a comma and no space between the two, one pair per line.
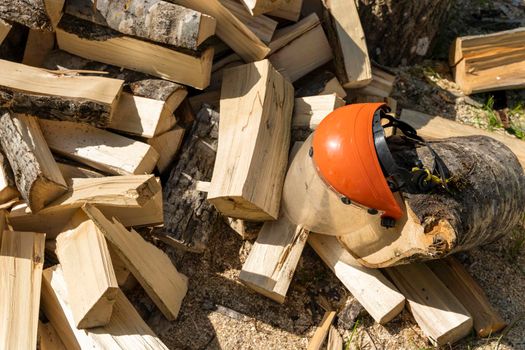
261,25
290,10
126,330
254,137
5,28
311,110
258,7
100,149
321,332
167,145
88,272
150,265
128,52
39,44
48,338
21,263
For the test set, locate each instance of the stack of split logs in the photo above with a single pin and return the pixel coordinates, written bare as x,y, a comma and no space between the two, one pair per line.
105,98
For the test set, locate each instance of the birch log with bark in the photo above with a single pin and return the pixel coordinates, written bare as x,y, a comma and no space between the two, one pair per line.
485,200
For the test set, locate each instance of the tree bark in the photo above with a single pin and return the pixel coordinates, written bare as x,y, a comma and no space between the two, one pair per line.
485,200
188,217
36,174
35,14
401,32
155,20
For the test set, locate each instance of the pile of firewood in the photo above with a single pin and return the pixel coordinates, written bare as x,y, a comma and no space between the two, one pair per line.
105,99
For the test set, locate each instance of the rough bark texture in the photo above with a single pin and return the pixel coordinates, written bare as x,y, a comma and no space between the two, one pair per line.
154,20
139,84
188,217
487,191
56,107
401,31
31,13
34,185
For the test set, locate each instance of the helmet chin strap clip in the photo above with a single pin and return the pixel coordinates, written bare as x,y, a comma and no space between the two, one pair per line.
418,179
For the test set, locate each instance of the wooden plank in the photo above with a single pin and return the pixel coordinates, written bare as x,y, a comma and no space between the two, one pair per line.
153,20
311,110
258,7
37,176
167,145
489,62
21,263
300,57
100,149
88,272
247,181
487,321
136,200
230,29
71,171
436,127
321,332
286,35
39,44
5,28
349,44
261,25
436,310
275,254
48,94
335,341
150,265
40,15
370,287
8,189
290,10
209,98
48,338
126,329
131,53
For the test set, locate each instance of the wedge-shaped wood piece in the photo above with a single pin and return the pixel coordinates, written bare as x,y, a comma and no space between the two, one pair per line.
48,338
311,110
300,57
72,171
230,29
50,95
167,145
286,35
442,318
381,85
254,137
8,189
275,254
348,42
39,44
41,14
146,117
88,271
37,176
5,28
434,127
261,25
136,200
108,46
370,287
487,321
321,83
154,20
290,10
21,263
489,62
100,149
150,265
258,7
126,329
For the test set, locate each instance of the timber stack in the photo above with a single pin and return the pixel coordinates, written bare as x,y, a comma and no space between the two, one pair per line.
214,97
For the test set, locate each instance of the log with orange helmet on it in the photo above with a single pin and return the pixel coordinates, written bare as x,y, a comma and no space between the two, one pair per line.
344,173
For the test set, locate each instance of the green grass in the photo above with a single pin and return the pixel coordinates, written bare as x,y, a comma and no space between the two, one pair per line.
494,120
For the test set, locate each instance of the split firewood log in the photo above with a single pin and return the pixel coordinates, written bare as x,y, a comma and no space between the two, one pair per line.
484,201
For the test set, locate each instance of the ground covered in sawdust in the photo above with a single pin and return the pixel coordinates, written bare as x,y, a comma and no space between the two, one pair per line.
220,313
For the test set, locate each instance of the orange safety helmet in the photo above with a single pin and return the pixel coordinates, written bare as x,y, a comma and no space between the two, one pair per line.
345,156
